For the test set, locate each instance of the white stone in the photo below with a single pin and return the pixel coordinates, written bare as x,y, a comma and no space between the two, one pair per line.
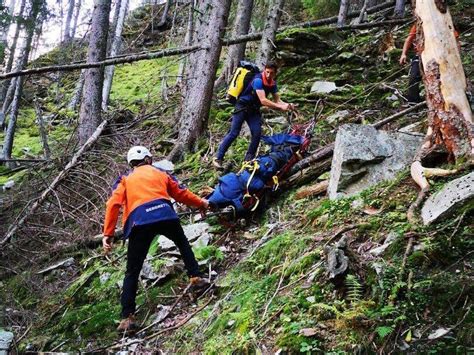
192,232
323,87
6,339
165,165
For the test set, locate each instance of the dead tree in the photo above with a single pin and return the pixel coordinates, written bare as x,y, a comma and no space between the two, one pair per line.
399,11
67,25
90,112
34,19
272,22
8,67
77,11
236,52
114,50
450,124
197,101
343,10
188,39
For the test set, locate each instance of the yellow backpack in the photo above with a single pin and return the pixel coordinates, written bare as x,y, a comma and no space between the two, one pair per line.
241,78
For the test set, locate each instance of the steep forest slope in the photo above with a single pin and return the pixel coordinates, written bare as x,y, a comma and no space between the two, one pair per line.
272,290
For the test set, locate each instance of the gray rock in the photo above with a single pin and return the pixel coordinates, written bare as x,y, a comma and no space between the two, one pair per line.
192,231
323,87
161,314
364,157
8,185
165,165
454,195
202,241
148,272
339,115
381,249
6,338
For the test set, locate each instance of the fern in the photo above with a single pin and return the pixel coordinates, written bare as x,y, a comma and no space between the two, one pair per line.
354,289
383,331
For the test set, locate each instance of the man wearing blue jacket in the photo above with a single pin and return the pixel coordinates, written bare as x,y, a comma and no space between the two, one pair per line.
248,109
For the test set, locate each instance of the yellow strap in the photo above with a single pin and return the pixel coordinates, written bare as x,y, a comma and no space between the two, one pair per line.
276,184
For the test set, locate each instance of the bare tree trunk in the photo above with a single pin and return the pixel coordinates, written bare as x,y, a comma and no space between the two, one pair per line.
90,112
164,16
42,131
76,18
67,26
399,11
198,97
188,39
77,95
272,22
116,9
114,50
4,30
33,21
363,14
450,123
236,52
343,9
6,83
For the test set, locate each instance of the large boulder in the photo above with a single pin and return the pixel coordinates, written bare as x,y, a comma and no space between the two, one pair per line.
454,195
363,157
193,232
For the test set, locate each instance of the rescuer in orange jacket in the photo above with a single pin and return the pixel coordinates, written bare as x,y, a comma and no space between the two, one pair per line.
145,195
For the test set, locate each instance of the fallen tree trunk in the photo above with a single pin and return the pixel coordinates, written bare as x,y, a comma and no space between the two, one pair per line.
59,178
104,63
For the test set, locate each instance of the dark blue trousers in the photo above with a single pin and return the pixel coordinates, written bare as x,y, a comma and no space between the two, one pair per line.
139,242
254,120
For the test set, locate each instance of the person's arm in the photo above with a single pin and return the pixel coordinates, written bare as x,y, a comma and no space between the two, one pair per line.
407,45
112,211
183,195
282,106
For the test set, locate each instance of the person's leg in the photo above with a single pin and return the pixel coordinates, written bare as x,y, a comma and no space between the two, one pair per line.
254,121
172,230
237,120
413,94
138,245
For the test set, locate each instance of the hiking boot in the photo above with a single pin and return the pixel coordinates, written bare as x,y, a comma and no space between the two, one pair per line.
128,324
217,163
198,285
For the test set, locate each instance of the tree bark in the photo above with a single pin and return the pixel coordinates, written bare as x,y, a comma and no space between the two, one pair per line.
188,39
76,18
343,10
236,52
67,26
90,112
114,50
34,19
198,97
272,22
5,85
399,11
449,112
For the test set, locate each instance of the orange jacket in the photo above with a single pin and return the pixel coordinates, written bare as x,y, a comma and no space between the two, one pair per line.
145,196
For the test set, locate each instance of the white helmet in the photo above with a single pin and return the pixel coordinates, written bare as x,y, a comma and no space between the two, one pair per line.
138,152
